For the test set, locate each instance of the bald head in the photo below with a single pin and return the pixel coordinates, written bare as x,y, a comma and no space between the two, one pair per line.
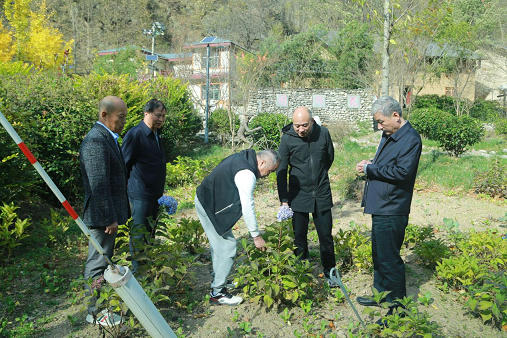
113,113
302,121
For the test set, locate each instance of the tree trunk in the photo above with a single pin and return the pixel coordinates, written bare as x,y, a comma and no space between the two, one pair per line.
385,50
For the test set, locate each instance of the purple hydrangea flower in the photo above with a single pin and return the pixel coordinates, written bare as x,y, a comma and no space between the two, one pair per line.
169,203
284,213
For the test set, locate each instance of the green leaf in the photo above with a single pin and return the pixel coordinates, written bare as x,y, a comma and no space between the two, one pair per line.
484,305
486,317
472,303
268,300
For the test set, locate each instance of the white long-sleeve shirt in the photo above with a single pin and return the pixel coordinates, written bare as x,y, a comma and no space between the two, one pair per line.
245,181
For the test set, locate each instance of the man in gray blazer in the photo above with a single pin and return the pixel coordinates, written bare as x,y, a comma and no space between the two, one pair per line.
105,183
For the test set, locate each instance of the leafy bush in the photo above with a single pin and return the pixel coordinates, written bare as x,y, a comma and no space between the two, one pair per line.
221,123
353,248
428,120
433,101
12,229
274,276
405,321
187,170
53,114
129,61
460,271
501,126
492,182
489,299
431,252
457,132
486,110
189,234
272,124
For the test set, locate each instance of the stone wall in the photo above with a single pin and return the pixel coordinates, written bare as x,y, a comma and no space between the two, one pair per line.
331,105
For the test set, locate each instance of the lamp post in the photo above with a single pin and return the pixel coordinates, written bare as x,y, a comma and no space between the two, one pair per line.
157,28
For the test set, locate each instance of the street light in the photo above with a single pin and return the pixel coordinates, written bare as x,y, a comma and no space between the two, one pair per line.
157,28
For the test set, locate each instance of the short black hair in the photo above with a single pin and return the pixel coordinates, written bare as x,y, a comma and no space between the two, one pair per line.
153,104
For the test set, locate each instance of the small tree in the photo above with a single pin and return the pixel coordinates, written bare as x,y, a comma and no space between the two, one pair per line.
457,132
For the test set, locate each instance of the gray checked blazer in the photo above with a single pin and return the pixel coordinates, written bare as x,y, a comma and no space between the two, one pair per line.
105,179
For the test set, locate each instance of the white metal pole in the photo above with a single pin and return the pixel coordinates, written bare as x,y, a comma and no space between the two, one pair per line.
127,286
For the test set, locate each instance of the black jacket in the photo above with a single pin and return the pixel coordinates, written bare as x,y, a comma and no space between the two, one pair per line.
391,176
146,163
218,193
309,159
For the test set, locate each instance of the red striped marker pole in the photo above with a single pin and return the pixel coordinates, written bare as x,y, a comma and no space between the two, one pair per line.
31,158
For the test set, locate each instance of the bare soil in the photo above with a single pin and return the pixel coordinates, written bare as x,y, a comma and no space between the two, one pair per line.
205,320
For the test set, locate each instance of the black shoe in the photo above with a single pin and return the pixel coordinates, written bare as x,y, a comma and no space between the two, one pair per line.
366,301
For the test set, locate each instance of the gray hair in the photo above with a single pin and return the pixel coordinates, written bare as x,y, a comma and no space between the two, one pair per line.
270,156
386,106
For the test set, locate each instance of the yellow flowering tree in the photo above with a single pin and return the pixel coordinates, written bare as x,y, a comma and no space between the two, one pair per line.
6,50
35,40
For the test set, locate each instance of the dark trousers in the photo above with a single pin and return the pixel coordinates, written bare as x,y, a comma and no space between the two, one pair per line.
387,236
95,263
324,224
143,211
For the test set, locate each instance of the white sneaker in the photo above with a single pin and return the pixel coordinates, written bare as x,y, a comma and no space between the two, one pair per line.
105,318
224,298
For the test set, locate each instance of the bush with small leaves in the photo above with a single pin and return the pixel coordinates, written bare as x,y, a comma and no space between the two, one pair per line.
458,132
427,121
269,136
492,182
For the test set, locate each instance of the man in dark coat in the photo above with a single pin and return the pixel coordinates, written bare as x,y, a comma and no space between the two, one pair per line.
145,159
308,149
390,179
105,183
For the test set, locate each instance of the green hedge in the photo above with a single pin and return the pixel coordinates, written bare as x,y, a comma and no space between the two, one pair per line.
272,124
53,113
426,121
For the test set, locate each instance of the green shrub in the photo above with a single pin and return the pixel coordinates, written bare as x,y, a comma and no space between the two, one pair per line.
501,126
489,299
186,170
274,276
458,132
486,110
353,248
224,124
427,121
433,101
12,229
492,182
52,114
272,124
431,252
460,271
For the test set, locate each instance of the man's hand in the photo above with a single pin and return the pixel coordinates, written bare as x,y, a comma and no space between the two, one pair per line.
111,228
360,166
259,243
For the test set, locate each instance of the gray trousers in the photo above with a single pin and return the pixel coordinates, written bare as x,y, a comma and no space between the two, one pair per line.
223,249
95,263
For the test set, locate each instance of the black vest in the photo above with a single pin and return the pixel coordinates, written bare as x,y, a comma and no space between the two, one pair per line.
218,193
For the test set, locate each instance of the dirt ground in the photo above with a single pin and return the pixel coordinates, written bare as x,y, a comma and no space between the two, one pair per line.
222,321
